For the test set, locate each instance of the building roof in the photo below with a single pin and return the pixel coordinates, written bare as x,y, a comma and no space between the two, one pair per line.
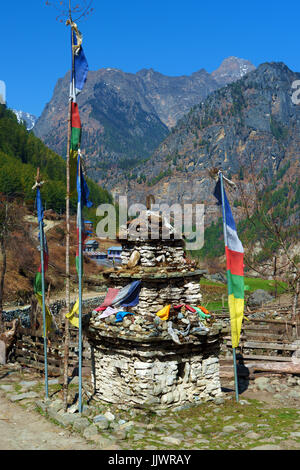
114,248
91,242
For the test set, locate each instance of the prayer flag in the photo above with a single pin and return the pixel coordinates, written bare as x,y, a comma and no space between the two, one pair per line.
81,67
235,268
37,286
83,194
73,316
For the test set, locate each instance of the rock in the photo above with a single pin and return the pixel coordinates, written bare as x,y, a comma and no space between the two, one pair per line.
104,443
134,259
259,297
101,422
136,328
64,419
7,388
56,405
120,434
87,411
219,401
80,423
23,396
43,404
294,394
228,429
108,415
28,384
252,435
126,322
244,402
267,447
54,381
90,432
172,440
127,426
219,277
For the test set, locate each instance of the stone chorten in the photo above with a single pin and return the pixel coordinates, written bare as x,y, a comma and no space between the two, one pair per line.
143,360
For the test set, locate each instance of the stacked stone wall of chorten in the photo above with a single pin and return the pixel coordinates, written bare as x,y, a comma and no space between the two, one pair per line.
156,254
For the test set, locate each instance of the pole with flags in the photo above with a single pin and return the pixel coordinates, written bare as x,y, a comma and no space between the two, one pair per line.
83,200
39,282
78,78
235,271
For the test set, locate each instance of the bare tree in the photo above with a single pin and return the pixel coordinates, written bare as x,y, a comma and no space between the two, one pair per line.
66,11
269,221
9,221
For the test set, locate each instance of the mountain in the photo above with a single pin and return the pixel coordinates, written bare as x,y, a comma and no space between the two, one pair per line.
124,116
248,127
232,69
28,118
119,123
172,97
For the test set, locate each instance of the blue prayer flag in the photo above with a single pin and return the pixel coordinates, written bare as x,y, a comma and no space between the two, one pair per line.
39,206
80,70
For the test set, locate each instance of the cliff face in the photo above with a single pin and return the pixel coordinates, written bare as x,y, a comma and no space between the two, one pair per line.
126,116
250,126
118,122
172,97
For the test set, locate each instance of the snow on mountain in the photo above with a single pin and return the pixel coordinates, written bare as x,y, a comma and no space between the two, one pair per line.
29,119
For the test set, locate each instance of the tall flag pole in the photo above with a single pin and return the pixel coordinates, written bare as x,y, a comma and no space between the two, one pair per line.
39,282
78,78
83,200
79,228
75,316
235,272
67,332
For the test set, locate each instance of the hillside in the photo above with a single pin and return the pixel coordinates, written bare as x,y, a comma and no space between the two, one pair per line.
21,153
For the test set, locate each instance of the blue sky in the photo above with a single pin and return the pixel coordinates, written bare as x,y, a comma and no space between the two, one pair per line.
174,37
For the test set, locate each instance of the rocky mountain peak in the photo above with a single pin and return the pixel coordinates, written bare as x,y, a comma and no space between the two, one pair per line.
232,69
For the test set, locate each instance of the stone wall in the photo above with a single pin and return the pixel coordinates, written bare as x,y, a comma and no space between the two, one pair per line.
159,376
158,292
24,313
154,254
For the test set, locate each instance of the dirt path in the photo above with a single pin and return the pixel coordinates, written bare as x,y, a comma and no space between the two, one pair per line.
21,429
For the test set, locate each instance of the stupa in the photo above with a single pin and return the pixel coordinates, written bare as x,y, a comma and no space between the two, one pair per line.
163,361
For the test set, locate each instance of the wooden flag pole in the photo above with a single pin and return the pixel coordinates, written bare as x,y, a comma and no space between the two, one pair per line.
68,303
80,284
225,240
41,231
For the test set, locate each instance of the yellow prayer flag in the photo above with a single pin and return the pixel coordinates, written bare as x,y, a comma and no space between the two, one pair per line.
163,314
74,320
236,310
47,311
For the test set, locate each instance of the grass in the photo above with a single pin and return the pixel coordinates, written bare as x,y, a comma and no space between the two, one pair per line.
213,291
